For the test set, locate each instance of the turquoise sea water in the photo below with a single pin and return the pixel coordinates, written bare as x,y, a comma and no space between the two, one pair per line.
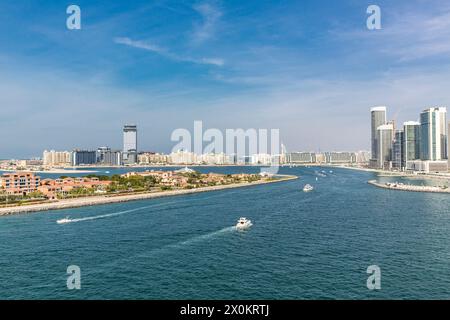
314,245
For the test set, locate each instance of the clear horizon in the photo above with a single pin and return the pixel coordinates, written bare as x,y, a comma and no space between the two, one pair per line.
311,70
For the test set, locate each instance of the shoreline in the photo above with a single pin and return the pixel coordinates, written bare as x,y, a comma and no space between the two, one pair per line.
408,188
53,171
99,200
385,173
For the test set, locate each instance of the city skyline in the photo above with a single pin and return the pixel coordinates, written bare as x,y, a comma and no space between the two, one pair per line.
229,58
414,146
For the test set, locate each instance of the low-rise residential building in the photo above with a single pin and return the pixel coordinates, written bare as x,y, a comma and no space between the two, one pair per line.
19,183
51,187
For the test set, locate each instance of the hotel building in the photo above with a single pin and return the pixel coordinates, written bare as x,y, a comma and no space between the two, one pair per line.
108,157
301,157
56,158
83,157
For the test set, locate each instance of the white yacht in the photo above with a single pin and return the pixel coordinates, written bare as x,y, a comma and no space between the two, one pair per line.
65,220
308,188
243,224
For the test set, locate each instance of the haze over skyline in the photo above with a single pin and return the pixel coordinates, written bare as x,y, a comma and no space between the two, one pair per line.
309,68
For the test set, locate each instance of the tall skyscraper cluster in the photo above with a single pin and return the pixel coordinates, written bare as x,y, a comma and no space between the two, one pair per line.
418,146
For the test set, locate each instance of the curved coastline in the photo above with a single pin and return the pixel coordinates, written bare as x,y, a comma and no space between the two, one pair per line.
106,199
408,187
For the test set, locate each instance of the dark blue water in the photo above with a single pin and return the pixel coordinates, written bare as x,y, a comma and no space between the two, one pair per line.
302,245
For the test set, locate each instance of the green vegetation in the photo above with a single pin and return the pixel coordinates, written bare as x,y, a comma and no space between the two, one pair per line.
132,183
18,199
137,183
77,193
99,177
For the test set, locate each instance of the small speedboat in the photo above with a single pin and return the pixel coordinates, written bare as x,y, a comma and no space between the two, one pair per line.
243,224
62,221
308,188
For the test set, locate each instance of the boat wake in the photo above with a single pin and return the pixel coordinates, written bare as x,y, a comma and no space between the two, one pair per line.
103,216
109,215
191,241
207,236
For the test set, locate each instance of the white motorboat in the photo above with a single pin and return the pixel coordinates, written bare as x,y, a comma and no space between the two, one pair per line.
243,224
62,221
308,188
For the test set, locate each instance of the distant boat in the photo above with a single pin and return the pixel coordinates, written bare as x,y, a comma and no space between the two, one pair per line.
308,188
317,179
185,170
243,224
107,172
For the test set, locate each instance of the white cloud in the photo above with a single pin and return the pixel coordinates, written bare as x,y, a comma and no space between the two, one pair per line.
145,45
141,45
210,16
407,35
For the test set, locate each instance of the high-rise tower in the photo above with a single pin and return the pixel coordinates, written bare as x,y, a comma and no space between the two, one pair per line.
378,118
130,148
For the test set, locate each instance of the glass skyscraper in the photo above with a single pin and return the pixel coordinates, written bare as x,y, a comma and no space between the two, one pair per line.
385,138
398,150
433,134
411,138
378,118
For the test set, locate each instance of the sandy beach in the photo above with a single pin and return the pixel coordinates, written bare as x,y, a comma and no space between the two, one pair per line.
105,199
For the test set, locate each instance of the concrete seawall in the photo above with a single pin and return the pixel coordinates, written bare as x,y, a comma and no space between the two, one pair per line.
98,200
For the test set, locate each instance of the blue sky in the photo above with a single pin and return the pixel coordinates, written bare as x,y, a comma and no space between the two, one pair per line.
308,68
